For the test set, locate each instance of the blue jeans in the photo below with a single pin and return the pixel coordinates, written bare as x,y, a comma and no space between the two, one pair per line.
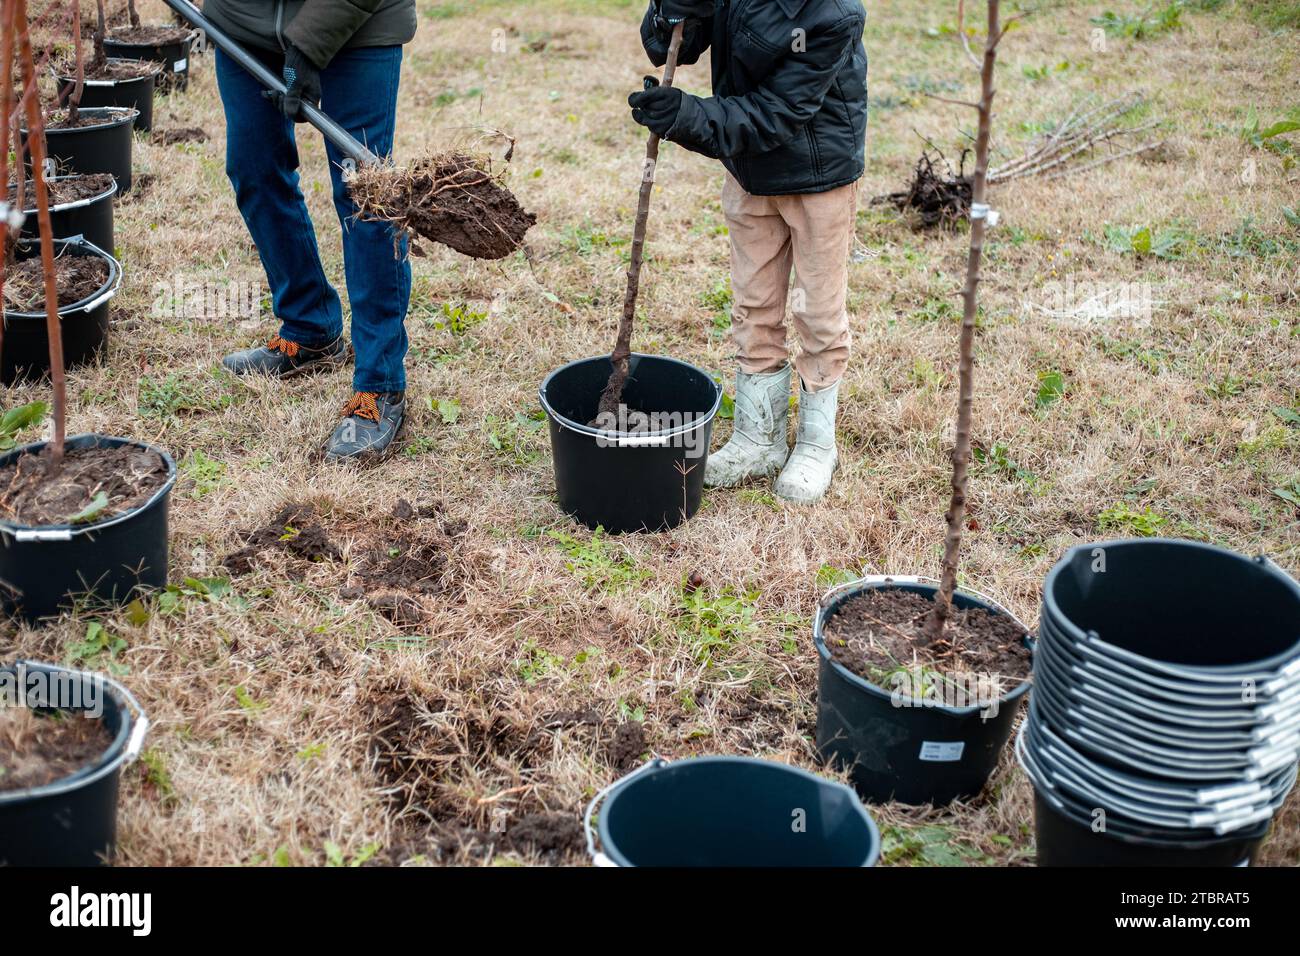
359,92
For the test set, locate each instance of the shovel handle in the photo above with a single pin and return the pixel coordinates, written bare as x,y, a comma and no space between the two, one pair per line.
332,131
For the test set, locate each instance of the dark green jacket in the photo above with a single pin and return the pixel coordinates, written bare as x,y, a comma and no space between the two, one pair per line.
320,28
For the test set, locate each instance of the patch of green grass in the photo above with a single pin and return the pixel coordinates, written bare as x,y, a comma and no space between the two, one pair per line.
1123,518
718,300
599,563
457,318
510,437
1142,241
927,846
182,394
534,663
1142,24
98,650
208,474
712,622
1051,389
997,460
1275,14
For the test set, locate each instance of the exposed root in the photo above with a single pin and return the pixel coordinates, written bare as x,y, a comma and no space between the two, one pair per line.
451,198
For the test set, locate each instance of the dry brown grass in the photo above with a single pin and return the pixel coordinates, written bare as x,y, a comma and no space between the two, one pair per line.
277,714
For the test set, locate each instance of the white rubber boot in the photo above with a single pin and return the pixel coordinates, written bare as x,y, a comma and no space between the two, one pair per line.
758,446
807,474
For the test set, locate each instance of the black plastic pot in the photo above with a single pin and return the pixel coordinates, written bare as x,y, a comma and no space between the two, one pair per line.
1066,841
73,821
1167,606
897,748
730,811
175,58
623,481
135,93
44,570
85,323
105,148
92,218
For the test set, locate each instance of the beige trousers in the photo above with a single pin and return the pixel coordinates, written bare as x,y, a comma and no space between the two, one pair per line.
770,236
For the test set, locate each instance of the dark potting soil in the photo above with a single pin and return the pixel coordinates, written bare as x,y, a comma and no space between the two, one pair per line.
125,475
180,134
149,35
75,277
878,632
452,199
110,70
83,186
62,120
39,748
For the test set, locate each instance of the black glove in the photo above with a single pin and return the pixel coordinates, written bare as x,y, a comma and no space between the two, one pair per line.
674,10
656,106
302,77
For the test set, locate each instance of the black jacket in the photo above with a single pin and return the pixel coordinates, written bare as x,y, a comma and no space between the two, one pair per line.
789,107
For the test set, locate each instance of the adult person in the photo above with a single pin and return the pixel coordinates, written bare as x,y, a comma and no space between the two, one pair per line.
345,57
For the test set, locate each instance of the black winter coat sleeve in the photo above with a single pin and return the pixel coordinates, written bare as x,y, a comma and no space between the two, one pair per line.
695,39
774,113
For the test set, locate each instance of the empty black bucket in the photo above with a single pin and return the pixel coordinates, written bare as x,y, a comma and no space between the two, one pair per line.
46,569
1177,604
1064,840
898,748
644,481
174,57
731,811
104,148
91,219
85,323
73,821
136,93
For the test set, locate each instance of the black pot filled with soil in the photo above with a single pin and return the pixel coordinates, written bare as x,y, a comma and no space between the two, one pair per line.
913,723
80,205
99,143
94,532
646,472
120,82
87,278
62,750
168,45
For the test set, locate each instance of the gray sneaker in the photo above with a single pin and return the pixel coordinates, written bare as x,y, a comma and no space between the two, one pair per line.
370,423
280,358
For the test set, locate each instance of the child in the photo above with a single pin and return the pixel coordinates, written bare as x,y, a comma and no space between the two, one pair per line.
788,120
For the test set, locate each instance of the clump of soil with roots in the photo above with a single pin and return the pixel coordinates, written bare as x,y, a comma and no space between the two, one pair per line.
451,198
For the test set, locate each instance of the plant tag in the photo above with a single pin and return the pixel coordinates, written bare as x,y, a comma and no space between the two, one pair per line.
942,751
180,64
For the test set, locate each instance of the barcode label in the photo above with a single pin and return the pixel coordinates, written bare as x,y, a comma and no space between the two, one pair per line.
942,751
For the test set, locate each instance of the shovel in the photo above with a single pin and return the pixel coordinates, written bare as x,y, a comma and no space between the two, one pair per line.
449,198
613,394
348,144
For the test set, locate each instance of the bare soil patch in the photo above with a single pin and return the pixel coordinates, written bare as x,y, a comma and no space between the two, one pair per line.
71,189
149,34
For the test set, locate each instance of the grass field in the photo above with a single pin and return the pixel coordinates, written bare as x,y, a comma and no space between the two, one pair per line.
305,714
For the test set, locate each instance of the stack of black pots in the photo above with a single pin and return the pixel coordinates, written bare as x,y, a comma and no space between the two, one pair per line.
1164,727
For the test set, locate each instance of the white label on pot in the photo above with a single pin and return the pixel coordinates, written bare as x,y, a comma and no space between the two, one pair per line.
942,751
180,64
